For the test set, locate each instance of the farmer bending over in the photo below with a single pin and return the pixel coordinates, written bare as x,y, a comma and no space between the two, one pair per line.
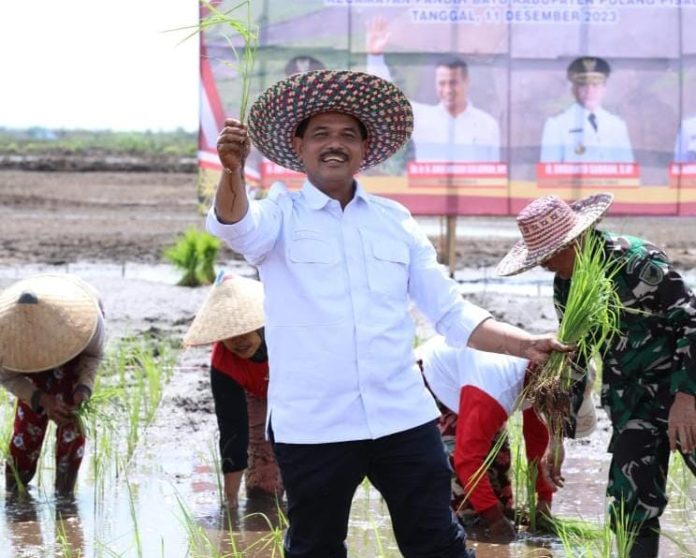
51,343
476,392
649,367
232,319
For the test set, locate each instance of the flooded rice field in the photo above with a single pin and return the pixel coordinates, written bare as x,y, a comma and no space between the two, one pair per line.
150,486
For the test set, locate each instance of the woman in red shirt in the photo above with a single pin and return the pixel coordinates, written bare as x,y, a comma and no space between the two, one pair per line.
232,319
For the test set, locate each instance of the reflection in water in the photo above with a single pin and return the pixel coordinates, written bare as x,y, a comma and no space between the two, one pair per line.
25,520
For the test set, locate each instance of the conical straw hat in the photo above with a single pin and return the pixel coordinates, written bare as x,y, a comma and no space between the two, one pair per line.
45,321
234,306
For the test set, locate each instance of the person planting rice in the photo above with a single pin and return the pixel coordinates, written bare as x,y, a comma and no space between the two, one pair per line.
231,317
52,337
346,399
649,364
476,392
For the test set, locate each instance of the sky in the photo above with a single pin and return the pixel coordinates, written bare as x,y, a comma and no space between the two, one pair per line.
98,64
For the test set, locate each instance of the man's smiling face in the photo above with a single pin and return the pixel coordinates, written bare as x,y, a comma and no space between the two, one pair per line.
332,148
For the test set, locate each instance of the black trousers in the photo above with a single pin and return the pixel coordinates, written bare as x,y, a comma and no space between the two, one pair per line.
409,469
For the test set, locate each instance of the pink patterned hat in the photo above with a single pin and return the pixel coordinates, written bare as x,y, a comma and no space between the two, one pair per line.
380,105
548,225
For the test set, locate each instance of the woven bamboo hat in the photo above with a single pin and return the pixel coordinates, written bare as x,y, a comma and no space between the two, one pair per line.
234,306
380,105
548,225
45,321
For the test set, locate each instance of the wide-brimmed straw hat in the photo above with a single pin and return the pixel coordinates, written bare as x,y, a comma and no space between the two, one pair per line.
380,105
234,306
548,225
45,321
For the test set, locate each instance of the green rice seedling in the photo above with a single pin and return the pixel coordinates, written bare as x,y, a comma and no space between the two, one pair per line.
244,28
98,409
9,407
194,253
679,481
134,403
47,461
272,543
134,518
63,541
214,454
199,543
624,530
590,319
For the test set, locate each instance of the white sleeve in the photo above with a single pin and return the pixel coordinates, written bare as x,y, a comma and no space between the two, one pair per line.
377,66
436,295
256,233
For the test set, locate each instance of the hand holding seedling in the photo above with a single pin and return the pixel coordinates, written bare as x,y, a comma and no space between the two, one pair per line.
538,348
56,409
233,145
552,463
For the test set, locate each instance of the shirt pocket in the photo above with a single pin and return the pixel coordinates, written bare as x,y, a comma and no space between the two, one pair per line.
316,264
386,262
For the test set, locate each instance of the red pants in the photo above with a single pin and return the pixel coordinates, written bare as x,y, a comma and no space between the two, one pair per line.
30,430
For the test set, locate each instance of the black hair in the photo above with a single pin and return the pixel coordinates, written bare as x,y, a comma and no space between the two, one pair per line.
302,64
302,127
453,63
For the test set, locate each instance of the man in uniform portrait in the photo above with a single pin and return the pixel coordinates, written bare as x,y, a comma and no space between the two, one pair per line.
586,132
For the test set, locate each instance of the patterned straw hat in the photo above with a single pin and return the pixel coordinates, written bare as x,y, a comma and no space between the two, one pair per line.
380,105
45,321
234,306
548,225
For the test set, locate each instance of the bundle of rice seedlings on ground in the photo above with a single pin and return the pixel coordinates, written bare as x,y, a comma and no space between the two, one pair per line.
590,319
97,409
194,253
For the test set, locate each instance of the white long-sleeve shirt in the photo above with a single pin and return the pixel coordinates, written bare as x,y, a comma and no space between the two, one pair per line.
570,137
337,290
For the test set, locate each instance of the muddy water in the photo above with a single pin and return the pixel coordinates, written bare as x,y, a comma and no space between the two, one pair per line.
168,496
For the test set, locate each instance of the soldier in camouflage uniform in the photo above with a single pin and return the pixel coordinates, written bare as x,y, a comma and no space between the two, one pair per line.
649,367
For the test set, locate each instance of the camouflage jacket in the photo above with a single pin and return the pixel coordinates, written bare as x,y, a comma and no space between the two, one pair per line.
654,354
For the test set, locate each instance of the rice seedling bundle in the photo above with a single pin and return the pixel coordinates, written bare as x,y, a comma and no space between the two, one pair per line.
98,409
590,319
248,31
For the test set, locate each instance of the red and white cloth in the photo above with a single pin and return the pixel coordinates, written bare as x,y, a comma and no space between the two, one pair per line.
483,389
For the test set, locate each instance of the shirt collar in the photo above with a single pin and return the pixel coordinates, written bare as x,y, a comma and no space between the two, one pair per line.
467,111
598,111
316,199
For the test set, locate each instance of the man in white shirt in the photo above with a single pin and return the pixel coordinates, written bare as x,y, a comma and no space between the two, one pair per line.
346,400
585,132
685,146
452,130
